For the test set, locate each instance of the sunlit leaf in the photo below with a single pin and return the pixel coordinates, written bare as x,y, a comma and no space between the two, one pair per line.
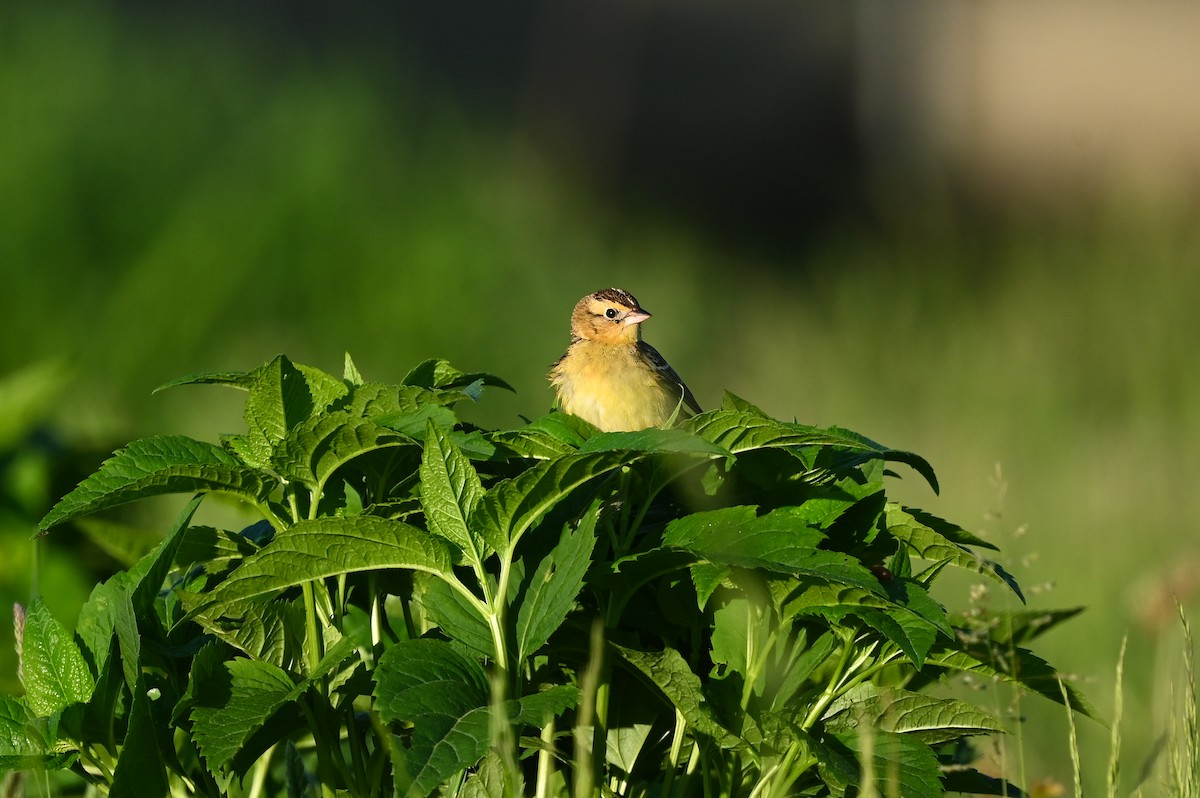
324,547
160,465
53,671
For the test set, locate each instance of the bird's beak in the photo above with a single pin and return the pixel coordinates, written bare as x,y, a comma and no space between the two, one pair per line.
636,316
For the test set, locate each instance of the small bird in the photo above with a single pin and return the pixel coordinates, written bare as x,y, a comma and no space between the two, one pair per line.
609,376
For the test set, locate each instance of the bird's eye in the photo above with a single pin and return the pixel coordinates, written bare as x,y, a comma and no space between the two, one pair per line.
611,313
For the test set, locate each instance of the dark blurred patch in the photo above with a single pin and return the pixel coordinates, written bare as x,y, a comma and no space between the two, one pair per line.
739,119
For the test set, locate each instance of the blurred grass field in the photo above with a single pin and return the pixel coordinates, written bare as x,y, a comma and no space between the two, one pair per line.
185,197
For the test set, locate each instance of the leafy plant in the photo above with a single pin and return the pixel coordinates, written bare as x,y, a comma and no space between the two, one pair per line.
731,607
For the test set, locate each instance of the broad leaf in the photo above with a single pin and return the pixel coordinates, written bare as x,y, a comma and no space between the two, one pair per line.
232,703
53,671
784,540
311,550
673,440
928,543
159,465
741,429
513,506
445,696
1014,665
932,720
140,772
554,585
668,671
454,614
22,748
450,492
898,759
318,446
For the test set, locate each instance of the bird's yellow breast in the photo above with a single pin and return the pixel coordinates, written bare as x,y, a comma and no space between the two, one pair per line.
612,387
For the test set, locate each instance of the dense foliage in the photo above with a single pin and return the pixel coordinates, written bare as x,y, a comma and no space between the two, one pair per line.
731,607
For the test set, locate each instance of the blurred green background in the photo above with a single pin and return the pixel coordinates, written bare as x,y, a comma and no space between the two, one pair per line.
948,229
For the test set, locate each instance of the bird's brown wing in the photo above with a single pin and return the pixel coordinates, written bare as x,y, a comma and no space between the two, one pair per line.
669,375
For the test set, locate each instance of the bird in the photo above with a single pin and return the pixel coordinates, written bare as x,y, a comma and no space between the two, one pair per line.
609,376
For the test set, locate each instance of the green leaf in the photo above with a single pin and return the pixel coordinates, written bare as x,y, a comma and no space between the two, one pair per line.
668,671
928,543
784,540
439,374
511,507
931,720
450,492
317,447
233,702
899,759
108,611
350,373
624,743
428,681
140,772
1018,628
949,530
232,379
555,584
672,440
741,428
53,672
444,695
272,631
20,748
1014,665
322,547
451,612
412,423
159,465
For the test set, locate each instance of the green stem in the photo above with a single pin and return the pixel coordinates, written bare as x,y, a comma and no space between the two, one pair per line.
830,691
313,641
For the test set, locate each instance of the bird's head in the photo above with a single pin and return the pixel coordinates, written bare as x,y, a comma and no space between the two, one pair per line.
611,316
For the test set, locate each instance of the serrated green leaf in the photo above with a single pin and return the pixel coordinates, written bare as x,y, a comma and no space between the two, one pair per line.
450,492
310,550
451,612
279,400
1014,665
929,544
511,507
555,584
949,530
317,447
53,671
273,632
412,423
159,465
1018,628
739,429
930,719
19,749
140,772
231,379
325,389
232,703
784,540
439,374
350,372
672,440
444,695
899,759
668,671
